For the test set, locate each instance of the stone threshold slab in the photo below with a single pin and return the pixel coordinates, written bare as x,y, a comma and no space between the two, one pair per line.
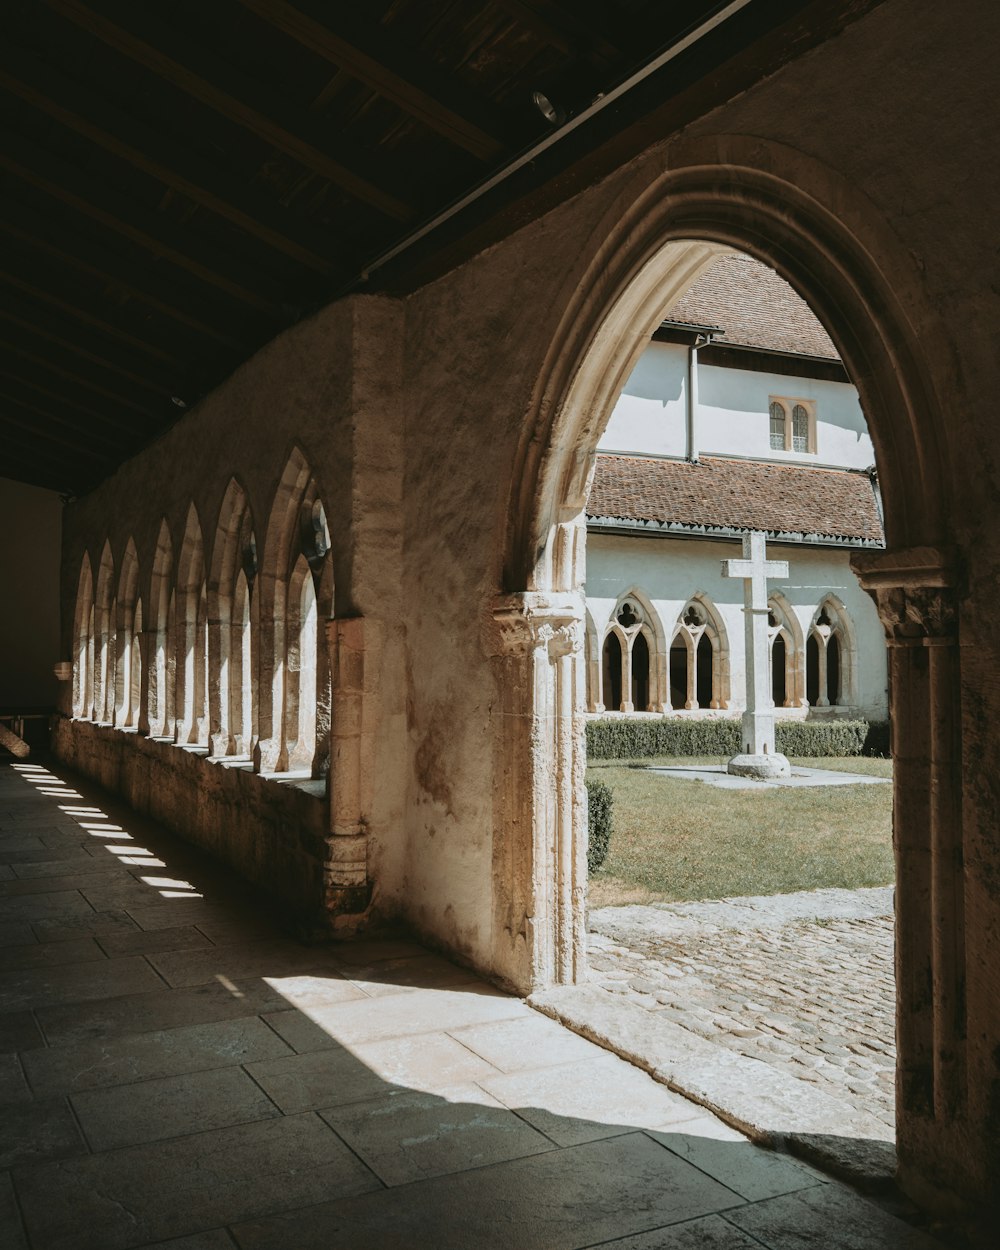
771,1108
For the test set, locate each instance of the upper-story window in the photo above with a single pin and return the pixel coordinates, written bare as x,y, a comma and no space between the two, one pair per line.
793,424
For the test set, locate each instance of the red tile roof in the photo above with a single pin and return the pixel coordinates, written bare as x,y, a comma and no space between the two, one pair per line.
755,307
736,494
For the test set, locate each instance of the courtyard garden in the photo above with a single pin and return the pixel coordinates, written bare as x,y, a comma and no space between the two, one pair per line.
675,839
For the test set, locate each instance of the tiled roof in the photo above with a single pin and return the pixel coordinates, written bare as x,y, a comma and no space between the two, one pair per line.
755,307
736,494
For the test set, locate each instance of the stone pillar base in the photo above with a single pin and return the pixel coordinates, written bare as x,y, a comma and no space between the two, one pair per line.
763,767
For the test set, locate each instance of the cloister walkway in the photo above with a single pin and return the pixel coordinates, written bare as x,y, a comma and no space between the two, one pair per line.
175,1071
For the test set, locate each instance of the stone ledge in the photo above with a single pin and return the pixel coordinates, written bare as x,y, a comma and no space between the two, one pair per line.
771,1108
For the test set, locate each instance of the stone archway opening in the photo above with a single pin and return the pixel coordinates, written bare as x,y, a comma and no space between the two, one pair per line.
655,252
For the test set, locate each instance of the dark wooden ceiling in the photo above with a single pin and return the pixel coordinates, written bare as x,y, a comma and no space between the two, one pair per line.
183,179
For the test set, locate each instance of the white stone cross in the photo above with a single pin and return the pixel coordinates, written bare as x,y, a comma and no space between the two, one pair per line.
758,719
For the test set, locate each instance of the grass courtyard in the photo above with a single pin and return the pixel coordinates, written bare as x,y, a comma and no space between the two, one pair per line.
676,840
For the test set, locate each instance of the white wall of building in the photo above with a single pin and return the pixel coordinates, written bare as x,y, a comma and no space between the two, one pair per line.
669,571
732,413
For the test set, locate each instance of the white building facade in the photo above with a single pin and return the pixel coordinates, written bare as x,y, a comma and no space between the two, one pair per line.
738,417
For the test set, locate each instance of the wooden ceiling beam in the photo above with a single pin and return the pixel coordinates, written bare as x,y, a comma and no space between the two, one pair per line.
173,57
49,366
47,415
75,312
72,105
158,386
364,52
36,430
13,375
108,271
73,188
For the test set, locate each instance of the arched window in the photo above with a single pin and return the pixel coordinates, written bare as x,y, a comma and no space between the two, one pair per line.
640,673
830,656
135,669
294,681
779,670
612,666
105,634
778,423
231,632
698,677
191,717
800,428
785,638
83,651
300,668
160,675
128,656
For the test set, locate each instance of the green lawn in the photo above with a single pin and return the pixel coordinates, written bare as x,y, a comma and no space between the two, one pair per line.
677,839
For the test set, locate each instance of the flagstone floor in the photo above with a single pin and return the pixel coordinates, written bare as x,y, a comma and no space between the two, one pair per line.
176,1072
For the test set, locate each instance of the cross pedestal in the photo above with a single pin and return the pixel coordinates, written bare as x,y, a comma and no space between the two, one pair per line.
758,757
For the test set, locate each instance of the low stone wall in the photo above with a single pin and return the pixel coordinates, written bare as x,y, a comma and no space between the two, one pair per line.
272,834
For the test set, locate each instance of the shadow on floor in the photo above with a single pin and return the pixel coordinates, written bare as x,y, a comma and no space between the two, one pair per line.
173,1067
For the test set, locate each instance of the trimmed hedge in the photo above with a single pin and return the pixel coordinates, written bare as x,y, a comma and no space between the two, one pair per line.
599,801
634,739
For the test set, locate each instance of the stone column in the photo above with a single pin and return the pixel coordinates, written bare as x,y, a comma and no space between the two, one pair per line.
539,802
914,591
354,646
627,703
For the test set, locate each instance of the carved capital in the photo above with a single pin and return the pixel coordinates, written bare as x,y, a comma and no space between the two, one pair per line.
914,590
527,622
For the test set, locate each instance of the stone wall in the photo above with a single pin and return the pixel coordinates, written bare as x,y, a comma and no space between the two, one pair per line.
273,834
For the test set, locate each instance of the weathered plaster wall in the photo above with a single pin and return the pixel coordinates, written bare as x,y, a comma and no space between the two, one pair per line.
29,594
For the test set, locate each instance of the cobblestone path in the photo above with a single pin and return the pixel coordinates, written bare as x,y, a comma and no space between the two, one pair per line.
803,982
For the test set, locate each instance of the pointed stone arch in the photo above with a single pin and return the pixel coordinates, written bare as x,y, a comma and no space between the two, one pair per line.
639,678
787,629
158,690
83,642
297,528
231,626
191,684
104,639
701,631
126,710
832,648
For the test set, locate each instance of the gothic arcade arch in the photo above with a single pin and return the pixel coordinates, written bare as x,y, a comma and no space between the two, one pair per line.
104,640
787,653
231,628
831,656
719,193
191,606
128,660
159,685
83,642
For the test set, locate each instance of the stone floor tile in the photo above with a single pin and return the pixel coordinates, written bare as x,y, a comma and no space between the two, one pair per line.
92,924
269,958
16,933
710,1233
407,1136
147,1056
378,950
750,1171
22,886
321,1078
40,987
12,1235
581,1102
135,941
559,1200
303,1034
420,1011
829,1216
32,1132
19,1031
215,1239
63,905
531,1042
81,862
43,954
426,1063
13,1087
393,976
211,918
173,1106
163,1009
128,1198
